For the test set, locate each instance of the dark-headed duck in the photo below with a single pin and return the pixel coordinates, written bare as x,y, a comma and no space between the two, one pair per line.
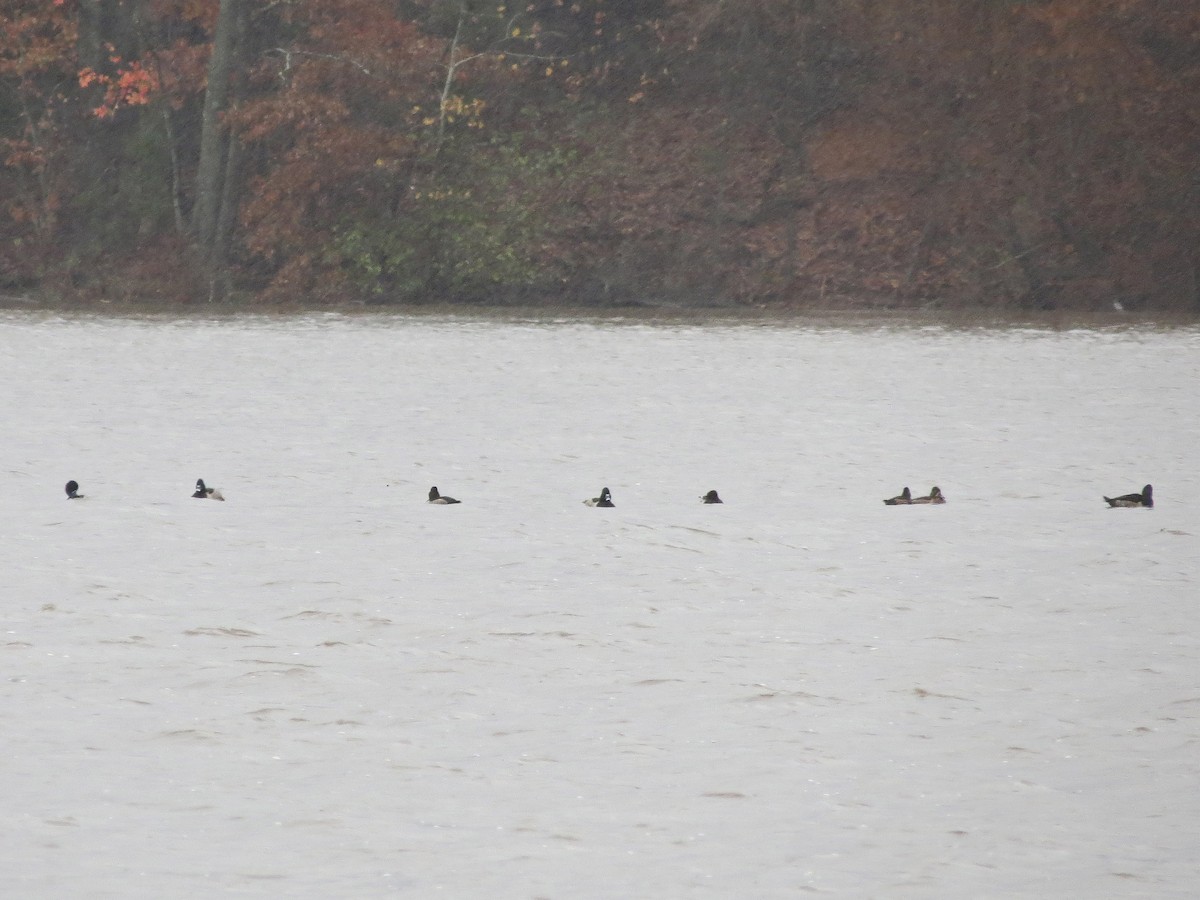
203,492
435,497
902,499
1145,498
73,491
711,497
605,499
935,496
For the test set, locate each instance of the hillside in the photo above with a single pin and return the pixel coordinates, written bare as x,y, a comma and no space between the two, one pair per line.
819,154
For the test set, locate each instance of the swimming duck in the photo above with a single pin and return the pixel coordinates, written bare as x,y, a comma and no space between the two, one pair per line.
204,492
711,497
435,497
904,498
935,496
1145,498
73,491
605,499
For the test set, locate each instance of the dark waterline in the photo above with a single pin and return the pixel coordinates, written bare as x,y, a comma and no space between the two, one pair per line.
638,316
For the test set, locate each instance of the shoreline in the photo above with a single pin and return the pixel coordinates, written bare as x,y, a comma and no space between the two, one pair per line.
634,313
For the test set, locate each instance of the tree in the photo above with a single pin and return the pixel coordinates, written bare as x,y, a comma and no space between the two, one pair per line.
37,56
218,169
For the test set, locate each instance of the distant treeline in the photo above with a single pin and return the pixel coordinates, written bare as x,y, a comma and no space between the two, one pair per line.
1011,154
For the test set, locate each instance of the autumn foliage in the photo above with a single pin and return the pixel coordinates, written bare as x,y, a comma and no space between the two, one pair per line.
810,154
36,55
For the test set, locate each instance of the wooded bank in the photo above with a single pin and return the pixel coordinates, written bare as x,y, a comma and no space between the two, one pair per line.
810,154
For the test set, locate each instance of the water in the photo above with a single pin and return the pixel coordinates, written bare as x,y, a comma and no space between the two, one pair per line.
325,687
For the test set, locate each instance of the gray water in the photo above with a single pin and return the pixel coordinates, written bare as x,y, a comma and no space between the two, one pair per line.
326,687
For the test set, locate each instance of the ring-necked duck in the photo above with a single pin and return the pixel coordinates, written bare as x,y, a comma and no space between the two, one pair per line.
1145,498
435,497
711,497
73,491
605,499
204,492
902,499
935,496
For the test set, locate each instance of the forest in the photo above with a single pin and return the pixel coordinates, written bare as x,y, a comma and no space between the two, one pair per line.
788,154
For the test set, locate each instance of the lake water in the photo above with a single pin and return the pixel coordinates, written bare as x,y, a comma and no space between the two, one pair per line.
327,688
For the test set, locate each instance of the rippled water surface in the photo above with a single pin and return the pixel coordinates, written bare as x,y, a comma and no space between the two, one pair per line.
325,687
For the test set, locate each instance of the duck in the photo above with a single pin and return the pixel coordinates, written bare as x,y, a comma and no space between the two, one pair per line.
1145,499
711,497
605,499
72,490
935,496
203,492
904,498
435,497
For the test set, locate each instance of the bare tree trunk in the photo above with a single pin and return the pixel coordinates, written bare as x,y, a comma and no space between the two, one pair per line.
214,138
452,64
173,156
227,216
